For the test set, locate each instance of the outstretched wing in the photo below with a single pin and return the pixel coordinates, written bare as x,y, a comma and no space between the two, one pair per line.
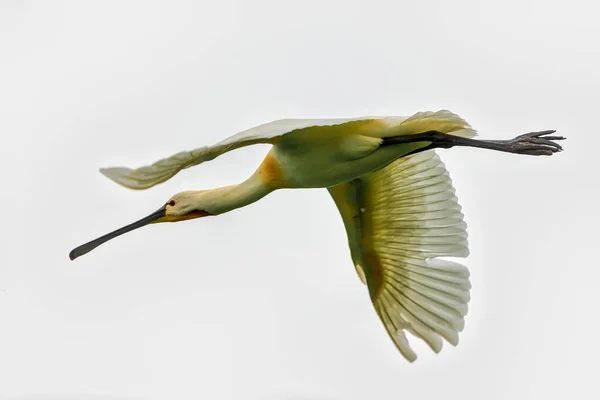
399,220
162,170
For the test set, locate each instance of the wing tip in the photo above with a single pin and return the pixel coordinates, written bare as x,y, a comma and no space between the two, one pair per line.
119,176
111,172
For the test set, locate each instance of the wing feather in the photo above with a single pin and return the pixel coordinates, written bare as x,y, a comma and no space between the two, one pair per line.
399,221
164,169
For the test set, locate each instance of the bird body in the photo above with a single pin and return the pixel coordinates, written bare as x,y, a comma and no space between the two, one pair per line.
393,193
328,155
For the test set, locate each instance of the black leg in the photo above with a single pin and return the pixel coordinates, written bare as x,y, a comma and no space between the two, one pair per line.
533,143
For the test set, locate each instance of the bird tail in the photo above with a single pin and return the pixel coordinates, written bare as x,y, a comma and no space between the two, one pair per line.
442,121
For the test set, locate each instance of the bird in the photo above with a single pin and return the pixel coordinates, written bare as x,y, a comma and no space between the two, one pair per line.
393,193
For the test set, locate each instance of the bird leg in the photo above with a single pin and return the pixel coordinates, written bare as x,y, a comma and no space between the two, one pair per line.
533,143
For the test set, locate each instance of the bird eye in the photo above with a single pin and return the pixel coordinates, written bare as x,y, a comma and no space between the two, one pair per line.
171,203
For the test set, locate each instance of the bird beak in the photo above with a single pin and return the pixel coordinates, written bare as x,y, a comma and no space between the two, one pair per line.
156,216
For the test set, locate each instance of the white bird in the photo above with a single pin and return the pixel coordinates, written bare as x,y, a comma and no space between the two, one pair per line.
393,192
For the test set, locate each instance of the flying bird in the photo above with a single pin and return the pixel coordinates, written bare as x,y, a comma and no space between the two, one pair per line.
393,193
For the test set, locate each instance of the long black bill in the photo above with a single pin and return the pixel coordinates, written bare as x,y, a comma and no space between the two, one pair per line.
89,246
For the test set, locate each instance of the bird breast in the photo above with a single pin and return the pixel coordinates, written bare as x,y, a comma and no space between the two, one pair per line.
330,161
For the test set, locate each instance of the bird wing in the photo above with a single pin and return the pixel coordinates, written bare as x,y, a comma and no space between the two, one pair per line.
162,170
399,220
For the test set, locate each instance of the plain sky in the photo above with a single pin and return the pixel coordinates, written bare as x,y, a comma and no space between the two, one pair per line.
264,303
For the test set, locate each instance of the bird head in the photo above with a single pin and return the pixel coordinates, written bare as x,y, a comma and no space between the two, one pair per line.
184,206
181,207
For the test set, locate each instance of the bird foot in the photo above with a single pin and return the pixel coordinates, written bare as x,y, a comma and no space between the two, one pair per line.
534,143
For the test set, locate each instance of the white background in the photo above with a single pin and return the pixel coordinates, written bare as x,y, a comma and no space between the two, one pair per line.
264,303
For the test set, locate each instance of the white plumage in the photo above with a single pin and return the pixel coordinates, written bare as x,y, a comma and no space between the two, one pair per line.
393,192
162,170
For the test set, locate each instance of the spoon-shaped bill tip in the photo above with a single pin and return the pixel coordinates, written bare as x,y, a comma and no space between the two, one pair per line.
89,246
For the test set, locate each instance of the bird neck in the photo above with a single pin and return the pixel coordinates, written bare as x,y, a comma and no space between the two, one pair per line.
267,178
228,198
